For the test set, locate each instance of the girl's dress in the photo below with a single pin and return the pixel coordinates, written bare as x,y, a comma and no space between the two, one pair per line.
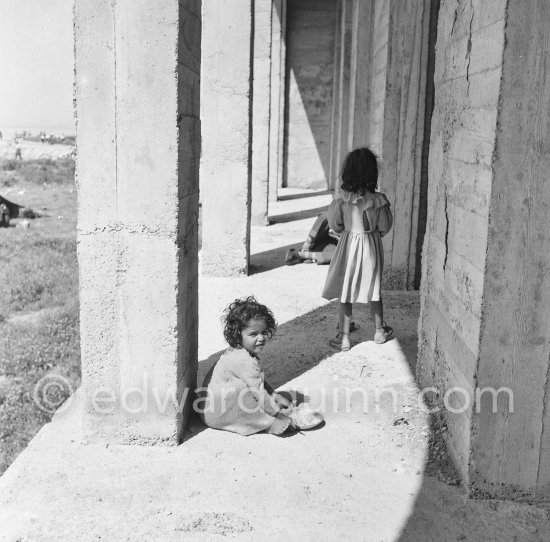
355,271
236,397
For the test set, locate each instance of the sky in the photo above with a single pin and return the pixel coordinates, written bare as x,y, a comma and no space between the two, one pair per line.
36,65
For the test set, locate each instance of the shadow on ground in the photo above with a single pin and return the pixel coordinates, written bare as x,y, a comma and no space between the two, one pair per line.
302,343
297,215
270,259
441,511
309,194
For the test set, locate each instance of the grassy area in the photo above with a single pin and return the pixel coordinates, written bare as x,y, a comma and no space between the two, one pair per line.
39,332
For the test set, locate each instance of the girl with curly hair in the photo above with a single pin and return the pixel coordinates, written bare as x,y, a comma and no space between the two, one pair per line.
362,216
237,397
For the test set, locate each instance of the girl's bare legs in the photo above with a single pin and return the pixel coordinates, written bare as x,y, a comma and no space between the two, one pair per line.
344,322
382,332
377,311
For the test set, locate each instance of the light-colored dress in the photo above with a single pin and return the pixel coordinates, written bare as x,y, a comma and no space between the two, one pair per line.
356,268
236,397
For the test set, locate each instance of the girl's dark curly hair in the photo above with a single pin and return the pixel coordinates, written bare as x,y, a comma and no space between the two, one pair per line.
360,171
237,315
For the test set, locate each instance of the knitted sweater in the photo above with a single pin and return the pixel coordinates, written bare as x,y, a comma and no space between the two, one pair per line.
236,397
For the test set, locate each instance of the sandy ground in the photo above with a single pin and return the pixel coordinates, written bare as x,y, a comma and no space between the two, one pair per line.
373,472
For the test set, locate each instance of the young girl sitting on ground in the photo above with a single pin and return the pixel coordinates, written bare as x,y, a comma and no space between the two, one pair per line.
363,217
238,399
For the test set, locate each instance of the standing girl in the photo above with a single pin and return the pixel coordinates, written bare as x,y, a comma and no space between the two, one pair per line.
238,398
362,216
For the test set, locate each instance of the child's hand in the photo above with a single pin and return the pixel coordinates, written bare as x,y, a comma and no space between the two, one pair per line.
281,401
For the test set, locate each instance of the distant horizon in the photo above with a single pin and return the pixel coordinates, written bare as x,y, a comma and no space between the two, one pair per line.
37,129
8,132
37,66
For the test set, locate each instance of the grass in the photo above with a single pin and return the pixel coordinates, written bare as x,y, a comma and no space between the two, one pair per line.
35,172
39,333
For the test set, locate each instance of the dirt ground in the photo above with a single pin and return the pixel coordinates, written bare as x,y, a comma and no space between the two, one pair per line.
376,471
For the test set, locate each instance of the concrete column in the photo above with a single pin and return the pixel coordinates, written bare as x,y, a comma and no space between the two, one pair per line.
378,74
226,128
403,133
309,73
334,183
484,330
277,102
343,121
360,71
510,454
261,110
138,133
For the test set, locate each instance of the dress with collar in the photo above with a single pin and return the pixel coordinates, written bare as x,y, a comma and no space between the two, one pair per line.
356,268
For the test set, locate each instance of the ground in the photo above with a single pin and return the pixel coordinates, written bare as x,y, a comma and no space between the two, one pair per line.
373,472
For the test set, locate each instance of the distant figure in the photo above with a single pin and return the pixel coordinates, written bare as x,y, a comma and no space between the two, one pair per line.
51,138
43,137
18,150
1,136
4,215
362,216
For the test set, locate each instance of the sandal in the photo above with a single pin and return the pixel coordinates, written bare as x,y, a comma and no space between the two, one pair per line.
383,335
336,342
292,257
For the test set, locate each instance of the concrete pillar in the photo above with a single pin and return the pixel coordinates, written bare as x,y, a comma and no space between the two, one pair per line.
334,182
378,74
277,102
261,110
511,450
484,330
341,140
360,73
226,141
403,133
138,133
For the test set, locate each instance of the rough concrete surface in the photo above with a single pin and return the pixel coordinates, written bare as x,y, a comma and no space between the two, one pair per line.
467,81
136,267
310,69
226,132
363,476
